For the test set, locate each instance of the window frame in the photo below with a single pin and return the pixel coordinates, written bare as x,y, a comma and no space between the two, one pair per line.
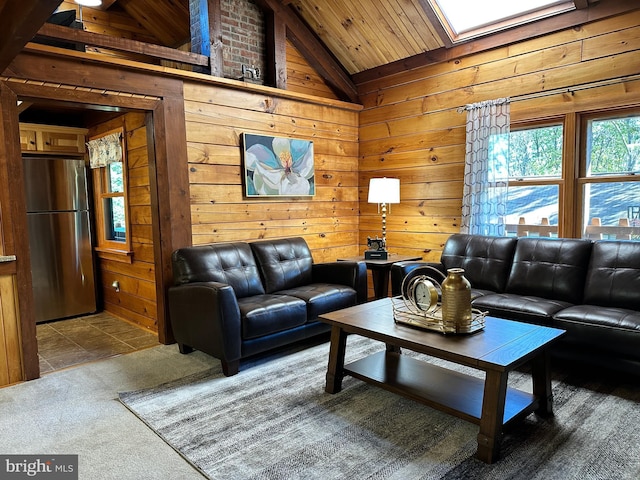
105,247
560,180
582,178
571,211
501,23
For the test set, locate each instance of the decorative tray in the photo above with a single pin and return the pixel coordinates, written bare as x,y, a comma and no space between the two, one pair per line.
405,313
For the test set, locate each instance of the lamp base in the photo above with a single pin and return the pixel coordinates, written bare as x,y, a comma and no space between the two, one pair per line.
376,255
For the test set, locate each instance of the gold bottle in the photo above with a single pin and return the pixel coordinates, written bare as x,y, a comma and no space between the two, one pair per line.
456,301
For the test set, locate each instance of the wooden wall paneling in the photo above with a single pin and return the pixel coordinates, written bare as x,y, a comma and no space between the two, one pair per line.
167,21
11,370
285,103
290,122
6,339
302,78
220,210
607,96
538,55
410,126
613,43
139,275
426,147
111,22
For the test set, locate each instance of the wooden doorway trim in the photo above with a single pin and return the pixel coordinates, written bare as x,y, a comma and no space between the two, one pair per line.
164,104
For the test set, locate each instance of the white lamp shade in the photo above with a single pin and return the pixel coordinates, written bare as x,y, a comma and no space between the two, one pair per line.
384,190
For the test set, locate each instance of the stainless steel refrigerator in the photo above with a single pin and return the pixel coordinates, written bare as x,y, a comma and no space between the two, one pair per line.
59,237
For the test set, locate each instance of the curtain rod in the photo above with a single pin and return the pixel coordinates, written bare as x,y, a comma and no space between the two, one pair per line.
575,88
584,86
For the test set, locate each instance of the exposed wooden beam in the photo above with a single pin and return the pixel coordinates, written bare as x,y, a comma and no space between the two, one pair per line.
572,19
206,32
19,22
73,35
435,22
314,51
276,61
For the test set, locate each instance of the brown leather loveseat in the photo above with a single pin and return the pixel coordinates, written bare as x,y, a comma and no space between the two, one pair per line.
589,288
234,300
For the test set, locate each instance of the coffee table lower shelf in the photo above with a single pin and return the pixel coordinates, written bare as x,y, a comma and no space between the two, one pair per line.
447,390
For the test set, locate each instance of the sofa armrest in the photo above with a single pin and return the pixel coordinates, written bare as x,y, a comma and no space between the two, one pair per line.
400,270
351,274
206,316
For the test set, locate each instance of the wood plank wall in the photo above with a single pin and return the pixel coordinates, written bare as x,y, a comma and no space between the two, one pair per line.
10,354
109,22
302,78
216,118
136,300
411,129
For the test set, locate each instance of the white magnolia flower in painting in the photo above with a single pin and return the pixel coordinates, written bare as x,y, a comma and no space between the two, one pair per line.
286,169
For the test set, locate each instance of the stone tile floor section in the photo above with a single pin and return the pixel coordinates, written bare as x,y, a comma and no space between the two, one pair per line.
69,342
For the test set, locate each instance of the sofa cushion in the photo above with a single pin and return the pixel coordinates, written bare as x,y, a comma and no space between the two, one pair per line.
610,329
230,263
267,314
613,277
323,297
554,269
486,260
525,308
283,263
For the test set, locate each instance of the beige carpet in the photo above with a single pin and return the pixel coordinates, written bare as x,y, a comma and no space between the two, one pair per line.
76,412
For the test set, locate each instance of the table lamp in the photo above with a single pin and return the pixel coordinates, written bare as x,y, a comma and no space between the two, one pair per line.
382,191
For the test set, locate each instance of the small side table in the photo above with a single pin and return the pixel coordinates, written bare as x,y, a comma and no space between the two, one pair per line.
380,270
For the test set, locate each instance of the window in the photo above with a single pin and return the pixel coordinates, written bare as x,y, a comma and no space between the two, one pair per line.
113,204
610,187
464,19
110,190
594,195
535,177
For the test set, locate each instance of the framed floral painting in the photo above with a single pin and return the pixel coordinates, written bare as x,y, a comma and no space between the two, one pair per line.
278,166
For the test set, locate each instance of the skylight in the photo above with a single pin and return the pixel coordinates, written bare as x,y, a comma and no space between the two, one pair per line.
469,18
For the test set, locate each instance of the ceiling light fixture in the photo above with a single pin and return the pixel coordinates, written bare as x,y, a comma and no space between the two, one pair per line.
89,3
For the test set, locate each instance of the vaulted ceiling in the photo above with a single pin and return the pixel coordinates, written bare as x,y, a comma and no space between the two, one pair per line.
366,37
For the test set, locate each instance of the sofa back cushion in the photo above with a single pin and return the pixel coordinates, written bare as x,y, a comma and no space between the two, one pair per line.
613,277
550,268
230,263
284,263
486,260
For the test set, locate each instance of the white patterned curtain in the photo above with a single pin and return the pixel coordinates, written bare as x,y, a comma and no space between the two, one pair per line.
486,173
105,150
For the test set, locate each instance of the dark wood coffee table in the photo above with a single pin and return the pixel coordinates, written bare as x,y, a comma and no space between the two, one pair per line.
502,346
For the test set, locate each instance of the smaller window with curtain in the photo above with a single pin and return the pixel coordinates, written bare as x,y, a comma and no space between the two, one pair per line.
108,162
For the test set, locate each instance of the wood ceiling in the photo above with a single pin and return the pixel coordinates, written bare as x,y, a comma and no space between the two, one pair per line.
365,34
368,38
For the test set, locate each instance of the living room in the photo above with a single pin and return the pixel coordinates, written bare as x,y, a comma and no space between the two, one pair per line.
406,123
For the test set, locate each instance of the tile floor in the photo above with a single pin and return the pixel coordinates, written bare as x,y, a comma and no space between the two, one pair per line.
65,343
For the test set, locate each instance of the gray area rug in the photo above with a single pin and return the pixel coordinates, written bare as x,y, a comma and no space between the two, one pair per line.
274,421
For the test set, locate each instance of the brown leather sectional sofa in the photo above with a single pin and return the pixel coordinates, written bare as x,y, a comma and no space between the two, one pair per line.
589,288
